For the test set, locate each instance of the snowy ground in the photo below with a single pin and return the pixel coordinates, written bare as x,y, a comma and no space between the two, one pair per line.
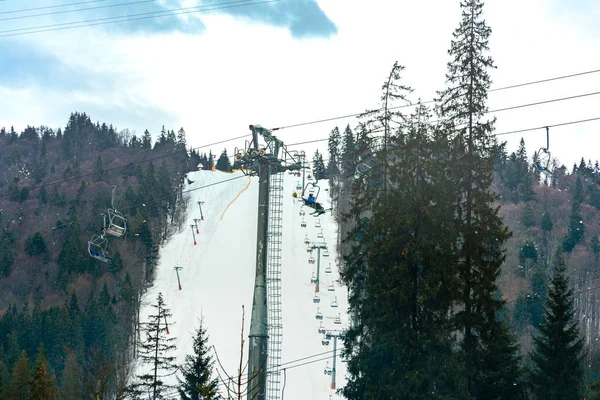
218,277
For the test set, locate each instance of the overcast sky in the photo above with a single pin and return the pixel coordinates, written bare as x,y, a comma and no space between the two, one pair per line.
287,62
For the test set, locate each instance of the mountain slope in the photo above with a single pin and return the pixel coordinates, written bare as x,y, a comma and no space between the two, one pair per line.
218,277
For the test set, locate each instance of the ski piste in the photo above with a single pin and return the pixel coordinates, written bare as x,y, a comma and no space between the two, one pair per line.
215,285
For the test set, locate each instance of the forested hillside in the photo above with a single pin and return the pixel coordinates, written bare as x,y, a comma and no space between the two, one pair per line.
55,188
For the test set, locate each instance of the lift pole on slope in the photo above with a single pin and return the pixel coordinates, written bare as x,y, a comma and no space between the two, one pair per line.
263,162
335,335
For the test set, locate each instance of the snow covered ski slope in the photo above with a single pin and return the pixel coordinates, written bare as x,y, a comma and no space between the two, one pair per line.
218,277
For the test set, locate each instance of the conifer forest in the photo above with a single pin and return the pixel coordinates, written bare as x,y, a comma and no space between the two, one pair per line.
472,270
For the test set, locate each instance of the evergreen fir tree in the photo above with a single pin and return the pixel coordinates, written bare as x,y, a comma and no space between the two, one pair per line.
557,357
155,351
20,380
576,228
146,140
333,165
99,169
547,224
43,386
481,233
401,284
71,382
319,166
223,163
528,218
348,162
197,382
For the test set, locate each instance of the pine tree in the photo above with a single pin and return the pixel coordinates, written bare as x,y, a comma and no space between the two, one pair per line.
197,382
223,163
481,233
348,162
99,169
528,217
547,224
155,351
43,386
557,357
333,165
71,382
20,380
146,140
576,230
401,284
319,166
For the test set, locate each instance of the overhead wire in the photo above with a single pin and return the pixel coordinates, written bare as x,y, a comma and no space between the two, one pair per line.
433,100
50,7
127,18
72,11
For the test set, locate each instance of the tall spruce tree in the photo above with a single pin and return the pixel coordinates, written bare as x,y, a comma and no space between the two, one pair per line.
401,286
557,357
223,163
197,382
481,233
319,166
155,351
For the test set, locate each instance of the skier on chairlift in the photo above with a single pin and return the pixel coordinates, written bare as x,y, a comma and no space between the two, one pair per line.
310,200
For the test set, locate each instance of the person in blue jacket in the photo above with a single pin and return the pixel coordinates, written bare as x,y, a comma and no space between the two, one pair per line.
310,200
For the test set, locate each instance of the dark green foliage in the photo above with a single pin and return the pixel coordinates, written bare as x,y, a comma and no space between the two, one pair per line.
501,379
333,165
146,140
319,166
99,174
223,163
547,224
528,218
117,263
20,380
348,154
401,284
481,233
73,257
43,386
7,252
576,228
154,351
197,382
36,245
557,358
595,245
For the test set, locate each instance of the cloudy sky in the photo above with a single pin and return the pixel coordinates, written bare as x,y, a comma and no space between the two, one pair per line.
221,65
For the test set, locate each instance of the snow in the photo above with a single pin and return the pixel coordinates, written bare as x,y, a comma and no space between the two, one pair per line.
218,278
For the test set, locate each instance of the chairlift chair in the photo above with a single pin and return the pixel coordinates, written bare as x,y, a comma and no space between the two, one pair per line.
331,287
318,224
311,259
117,223
319,315
97,248
303,224
325,253
325,342
306,239
334,303
320,234
316,298
322,329
328,269
543,165
337,320
313,278
301,213
327,370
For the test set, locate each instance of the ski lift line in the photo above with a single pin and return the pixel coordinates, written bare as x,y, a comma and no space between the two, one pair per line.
69,11
126,18
150,201
49,7
432,101
326,139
